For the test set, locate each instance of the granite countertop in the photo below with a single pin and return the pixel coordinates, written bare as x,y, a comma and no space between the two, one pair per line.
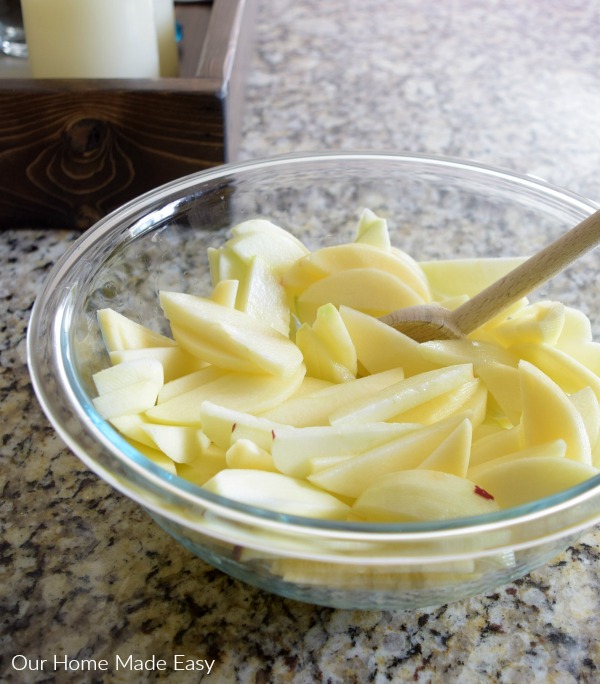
85,573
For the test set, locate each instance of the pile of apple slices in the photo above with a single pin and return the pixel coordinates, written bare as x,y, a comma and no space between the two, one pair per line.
282,389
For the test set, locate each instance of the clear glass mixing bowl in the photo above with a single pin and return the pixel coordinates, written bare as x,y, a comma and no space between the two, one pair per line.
436,208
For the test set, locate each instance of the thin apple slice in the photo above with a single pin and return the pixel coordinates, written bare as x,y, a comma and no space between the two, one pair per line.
244,453
404,395
189,382
327,348
539,323
221,331
277,492
321,462
243,392
441,406
565,371
128,373
262,296
318,359
135,398
503,383
225,292
380,347
338,258
330,327
266,227
207,465
315,408
408,451
120,332
368,290
454,277
548,415
294,448
277,250
587,405
219,358
183,444
224,426
496,444
576,340
554,449
224,265
422,495
156,456
131,425
452,455
449,352
373,230
519,481
175,361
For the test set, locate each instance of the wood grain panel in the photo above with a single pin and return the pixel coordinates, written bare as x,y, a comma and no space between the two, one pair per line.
73,150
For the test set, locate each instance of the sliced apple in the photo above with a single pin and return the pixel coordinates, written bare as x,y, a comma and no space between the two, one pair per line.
262,296
367,289
182,444
244,392
128,373
403,395
266,227
587,405
244,453
408,451
277,492
207,465
548,415
132,426
315,408
225,292
496,444
539,323
120,332
565,371
422,495
554,449
135,398
327,348
441,406
503,383
278,252
189,382
519,481
350,256
454,277
452,455
294,449
156,456
221,331
224,426
380,347
175,361
448,352
373,230
317,358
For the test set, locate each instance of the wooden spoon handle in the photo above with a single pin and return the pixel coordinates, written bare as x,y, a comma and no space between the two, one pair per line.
526,277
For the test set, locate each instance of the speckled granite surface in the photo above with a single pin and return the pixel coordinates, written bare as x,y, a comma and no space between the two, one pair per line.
84,573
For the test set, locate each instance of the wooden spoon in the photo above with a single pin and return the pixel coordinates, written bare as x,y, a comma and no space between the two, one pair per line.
428,322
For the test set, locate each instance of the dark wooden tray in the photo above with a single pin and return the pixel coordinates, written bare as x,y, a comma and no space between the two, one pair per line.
73,150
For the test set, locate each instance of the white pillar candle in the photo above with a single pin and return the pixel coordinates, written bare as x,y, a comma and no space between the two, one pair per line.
164,14
91,38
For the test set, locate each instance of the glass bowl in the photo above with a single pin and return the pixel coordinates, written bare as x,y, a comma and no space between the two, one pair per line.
436,208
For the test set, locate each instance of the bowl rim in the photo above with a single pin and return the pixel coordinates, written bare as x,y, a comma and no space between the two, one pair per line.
140,214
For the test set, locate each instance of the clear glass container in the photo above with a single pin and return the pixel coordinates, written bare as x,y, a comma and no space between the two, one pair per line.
436,208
